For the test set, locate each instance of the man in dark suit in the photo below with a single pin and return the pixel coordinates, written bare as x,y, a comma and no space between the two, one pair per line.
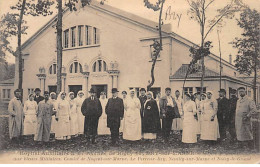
38,96
168,111
115,112
222,113
232,114
91,108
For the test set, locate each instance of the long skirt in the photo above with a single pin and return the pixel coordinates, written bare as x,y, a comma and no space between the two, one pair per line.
132,128
53,124
177,124
63,128
102,125
209,129
81,119
30,124
74,124
189,134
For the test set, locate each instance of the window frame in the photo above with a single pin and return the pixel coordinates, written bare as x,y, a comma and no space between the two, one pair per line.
73,36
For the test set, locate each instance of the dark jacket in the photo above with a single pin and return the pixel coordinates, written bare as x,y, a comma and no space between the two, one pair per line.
38,99
169,112
223,110
91,107
142,101
151,120
232,108
114,111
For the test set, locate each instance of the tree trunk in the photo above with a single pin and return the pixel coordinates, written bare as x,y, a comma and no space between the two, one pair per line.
158,51
20,58
59,46
255,77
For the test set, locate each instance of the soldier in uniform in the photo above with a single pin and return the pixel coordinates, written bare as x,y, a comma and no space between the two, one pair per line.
231,116
223,111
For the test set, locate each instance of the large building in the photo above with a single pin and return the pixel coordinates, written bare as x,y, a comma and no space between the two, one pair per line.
105,48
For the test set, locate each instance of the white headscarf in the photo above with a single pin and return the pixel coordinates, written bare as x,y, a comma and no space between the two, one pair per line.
79,93
59,96
52,93
29,96
130,91
212,95
68,96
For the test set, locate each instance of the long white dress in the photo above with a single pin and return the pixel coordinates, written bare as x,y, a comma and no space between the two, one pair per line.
30,120
177,122
209,129
132,120
102,123
63,125
189,134
53,120
81,117
198,105
121,128
73,118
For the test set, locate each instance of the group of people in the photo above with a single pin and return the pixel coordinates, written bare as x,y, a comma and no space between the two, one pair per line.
144,117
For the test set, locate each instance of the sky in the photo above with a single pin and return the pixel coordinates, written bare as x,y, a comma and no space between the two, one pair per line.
180,21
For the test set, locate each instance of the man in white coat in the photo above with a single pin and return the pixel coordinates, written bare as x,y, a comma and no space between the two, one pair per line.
244,111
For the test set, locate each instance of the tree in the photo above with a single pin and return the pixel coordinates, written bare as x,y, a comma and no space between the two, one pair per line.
157,46
71,4
199,12
28,7
248,56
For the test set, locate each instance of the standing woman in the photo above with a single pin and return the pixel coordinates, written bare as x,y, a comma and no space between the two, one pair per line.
63,118
30,120
209,120
151,120
81,118
132,119
189,134
53,100
102,123
124,97
73,115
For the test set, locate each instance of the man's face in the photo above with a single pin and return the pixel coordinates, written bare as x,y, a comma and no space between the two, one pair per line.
38,93
177,94
103,96
221,94
209,95
242,92
168,92
115,94
143,93
46,96
92,94
18,94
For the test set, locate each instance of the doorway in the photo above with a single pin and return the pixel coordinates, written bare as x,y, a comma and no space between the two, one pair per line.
99,88
75,89
53,88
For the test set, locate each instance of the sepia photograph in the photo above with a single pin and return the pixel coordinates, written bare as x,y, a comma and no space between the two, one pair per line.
130,82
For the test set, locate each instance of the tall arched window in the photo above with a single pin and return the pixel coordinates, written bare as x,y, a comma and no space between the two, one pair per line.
53,69
76,67
99,66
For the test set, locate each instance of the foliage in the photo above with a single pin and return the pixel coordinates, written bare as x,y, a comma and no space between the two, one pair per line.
35,7
248,56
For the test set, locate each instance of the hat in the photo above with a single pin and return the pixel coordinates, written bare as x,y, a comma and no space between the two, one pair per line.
241,88
114,90
222,90
124,92
37,89
142,89
92,90
168,89
233,91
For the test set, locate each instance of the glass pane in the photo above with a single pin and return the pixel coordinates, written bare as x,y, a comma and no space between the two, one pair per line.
50,70
76,67
73,37
4,93
54,68
99,65
8,93
80,68
104,66
80,41
71,67
94,67
87,35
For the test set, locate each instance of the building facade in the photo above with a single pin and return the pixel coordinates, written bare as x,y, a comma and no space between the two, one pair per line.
105,48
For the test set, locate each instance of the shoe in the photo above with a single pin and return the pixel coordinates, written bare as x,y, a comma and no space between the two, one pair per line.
93,141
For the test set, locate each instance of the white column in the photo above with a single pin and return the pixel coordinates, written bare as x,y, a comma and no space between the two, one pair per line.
40,83
62,84
115,81
110,86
